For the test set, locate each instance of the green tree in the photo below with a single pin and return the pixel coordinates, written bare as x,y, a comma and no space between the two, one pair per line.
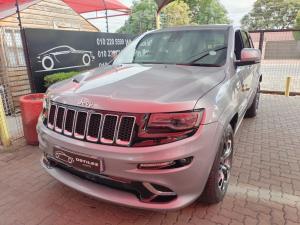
297,26
271,14
208,12
142,17
176,13
179,12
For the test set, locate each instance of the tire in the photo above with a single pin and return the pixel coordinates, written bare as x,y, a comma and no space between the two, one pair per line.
252,111
47,63
86,60
218,180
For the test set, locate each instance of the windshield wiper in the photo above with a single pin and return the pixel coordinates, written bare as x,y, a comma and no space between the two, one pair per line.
200,64
207,54
145,62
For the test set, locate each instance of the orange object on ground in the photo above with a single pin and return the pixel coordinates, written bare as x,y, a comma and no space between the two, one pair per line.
31,108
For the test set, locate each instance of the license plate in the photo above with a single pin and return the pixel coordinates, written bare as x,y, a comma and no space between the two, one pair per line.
78,160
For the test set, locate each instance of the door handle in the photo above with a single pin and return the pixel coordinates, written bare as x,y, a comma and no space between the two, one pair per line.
245,87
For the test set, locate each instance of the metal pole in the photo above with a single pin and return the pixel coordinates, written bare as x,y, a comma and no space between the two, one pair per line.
261,40
24,43
288,86
106,16
18,13
4,133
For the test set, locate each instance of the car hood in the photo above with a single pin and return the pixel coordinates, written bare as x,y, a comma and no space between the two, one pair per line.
139,88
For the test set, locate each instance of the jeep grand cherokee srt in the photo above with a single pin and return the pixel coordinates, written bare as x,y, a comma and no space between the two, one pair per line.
155,129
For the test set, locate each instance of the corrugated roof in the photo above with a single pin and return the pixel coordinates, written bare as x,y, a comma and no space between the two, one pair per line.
8,7
91,5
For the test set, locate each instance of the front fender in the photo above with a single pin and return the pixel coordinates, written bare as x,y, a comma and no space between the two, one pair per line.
221,103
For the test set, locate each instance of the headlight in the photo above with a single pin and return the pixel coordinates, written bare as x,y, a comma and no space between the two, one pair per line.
163,128
172,122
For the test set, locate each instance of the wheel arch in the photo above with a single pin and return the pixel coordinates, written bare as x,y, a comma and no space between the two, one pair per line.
234,120
260,78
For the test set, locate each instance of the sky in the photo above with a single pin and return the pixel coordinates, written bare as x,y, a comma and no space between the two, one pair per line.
236,10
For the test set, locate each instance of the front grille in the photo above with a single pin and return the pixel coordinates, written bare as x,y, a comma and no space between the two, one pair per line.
92,126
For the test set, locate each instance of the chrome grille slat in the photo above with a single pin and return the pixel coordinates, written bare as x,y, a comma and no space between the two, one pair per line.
80,124
125,130
109,128
60,117
69,121
51,116
92,126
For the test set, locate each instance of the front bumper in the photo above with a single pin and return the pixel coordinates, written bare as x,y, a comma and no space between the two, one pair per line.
187,182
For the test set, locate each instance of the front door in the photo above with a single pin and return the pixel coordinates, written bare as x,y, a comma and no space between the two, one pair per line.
244,75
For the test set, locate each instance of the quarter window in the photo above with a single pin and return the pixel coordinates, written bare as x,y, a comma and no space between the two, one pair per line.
246,40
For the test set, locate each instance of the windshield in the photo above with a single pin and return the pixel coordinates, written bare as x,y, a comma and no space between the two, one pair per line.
185,47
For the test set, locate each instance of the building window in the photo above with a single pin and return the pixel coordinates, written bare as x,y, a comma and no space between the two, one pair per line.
13,48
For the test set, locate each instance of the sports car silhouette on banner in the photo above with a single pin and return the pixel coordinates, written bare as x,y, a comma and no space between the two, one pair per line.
64,56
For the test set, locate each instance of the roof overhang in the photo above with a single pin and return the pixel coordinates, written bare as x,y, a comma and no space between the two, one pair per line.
162,3
96,5
8,7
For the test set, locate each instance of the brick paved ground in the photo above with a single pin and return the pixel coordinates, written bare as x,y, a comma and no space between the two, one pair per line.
264,189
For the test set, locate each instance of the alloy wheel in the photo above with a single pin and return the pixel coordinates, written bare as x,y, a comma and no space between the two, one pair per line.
225,164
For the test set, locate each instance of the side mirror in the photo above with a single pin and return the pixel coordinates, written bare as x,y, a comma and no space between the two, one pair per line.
249,56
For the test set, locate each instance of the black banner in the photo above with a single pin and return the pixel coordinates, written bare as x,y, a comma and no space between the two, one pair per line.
54,51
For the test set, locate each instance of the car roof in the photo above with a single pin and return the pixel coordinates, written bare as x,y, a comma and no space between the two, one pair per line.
197,27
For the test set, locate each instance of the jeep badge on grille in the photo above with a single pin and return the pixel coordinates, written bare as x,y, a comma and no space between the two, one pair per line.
85,102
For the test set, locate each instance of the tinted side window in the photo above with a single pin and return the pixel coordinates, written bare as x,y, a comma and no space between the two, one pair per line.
238,45
250,40
246,40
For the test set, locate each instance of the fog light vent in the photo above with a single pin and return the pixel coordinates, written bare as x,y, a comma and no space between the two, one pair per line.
166,165
158,193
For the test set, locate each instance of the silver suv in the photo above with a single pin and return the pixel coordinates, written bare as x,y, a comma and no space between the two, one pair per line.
155,128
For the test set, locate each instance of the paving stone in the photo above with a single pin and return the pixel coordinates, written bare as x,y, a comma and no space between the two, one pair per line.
264,185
